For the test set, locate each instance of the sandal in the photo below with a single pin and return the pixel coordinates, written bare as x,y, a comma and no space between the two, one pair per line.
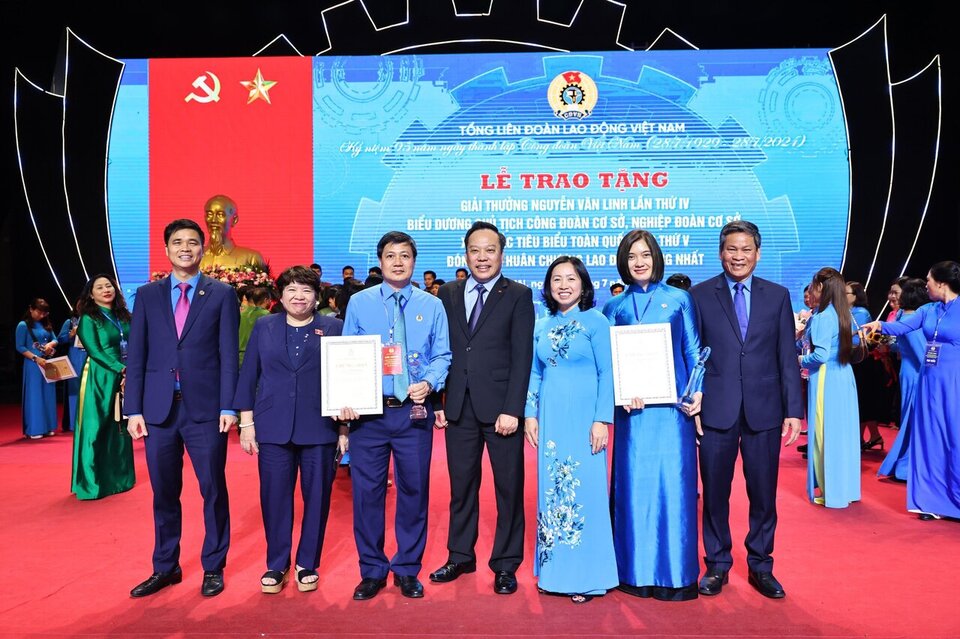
279,579
580,599
302,575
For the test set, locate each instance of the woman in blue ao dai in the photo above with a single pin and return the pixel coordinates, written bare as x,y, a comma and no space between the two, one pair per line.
833,416
913,295
569,408
933,483
654,482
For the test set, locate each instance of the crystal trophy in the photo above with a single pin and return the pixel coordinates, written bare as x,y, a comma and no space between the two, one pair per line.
695,375
415,365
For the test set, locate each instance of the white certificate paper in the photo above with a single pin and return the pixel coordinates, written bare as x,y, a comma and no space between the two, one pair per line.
643,364
351,374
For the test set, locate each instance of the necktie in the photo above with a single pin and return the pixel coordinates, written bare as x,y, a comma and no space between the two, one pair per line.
401,381
182,308
477,308
740,306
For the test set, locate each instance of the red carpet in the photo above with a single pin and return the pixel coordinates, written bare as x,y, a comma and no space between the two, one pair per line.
871,570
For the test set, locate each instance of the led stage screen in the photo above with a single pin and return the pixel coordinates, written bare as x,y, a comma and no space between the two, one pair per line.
564,152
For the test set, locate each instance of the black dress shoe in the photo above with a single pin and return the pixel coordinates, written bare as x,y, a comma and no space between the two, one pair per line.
925,517
766,584
802,448
368,588
451,570
410,586
505,583
212,583
713,582
156,582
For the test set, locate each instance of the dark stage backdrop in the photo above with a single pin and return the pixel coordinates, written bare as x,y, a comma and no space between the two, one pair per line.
892,124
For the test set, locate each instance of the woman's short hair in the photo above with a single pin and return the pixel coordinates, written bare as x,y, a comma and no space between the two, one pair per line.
299,275
623,255
586,284
859,294
913,294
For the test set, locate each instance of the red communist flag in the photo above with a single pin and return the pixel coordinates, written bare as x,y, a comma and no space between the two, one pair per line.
239,127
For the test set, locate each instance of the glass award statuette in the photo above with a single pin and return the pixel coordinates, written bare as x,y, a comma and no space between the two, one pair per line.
695,375
415,365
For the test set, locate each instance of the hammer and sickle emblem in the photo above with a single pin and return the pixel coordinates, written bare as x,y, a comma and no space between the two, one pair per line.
210,94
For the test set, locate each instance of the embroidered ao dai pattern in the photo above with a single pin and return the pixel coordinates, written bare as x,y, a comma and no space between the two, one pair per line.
654,483
571,386
933,482
833,417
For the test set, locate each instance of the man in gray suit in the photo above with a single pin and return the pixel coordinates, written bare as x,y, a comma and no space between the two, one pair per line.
491,336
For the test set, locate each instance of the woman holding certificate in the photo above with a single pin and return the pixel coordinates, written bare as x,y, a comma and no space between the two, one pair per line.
833,417
569,407
654,482
279,387
102,449
37,342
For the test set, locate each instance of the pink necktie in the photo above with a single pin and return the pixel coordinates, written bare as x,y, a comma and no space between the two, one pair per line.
182,308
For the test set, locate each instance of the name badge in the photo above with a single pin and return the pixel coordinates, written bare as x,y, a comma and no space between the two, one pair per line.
392,362
932,355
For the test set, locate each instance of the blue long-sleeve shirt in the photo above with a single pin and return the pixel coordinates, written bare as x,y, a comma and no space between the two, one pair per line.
371,312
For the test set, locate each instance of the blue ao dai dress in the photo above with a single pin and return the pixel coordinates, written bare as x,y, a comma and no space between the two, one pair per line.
571,387
654,481
911,347
39,398
833,417
933,485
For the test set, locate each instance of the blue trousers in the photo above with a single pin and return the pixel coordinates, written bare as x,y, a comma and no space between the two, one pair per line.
372,443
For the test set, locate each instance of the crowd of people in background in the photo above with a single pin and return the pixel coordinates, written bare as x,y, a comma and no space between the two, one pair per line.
191,362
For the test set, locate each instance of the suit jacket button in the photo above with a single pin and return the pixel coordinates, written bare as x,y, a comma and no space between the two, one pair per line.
468,348
742,354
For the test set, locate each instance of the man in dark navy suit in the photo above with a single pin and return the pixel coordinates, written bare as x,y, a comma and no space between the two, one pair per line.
180,380
752,399
491,335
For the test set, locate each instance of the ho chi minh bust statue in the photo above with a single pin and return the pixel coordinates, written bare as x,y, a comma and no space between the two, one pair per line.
220,217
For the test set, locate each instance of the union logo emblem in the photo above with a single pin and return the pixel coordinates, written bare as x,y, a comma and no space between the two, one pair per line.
572,95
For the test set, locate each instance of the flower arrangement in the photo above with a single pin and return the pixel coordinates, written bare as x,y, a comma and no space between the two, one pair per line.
236,276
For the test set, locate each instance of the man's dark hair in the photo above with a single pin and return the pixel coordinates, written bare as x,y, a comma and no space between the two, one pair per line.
425,273
679,280
344,269
375,270
616,285
740,226
179,225
463,270
480,225
396,237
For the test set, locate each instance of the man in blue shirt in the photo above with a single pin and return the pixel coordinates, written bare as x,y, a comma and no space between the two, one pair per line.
413,329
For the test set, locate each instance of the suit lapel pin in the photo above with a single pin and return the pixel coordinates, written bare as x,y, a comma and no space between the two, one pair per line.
419,317
663,306
318,331
201,292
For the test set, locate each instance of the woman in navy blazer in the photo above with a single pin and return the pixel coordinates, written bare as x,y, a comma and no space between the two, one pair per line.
279,388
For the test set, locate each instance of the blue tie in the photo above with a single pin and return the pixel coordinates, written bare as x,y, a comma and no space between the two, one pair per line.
401,381
477,308
740,306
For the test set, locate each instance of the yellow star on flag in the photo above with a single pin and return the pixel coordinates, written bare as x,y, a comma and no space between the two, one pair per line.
259,88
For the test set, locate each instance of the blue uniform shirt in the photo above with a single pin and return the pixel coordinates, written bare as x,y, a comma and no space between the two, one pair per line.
370,312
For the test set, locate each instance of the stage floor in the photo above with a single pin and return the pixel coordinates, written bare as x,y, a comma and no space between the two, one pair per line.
871,570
